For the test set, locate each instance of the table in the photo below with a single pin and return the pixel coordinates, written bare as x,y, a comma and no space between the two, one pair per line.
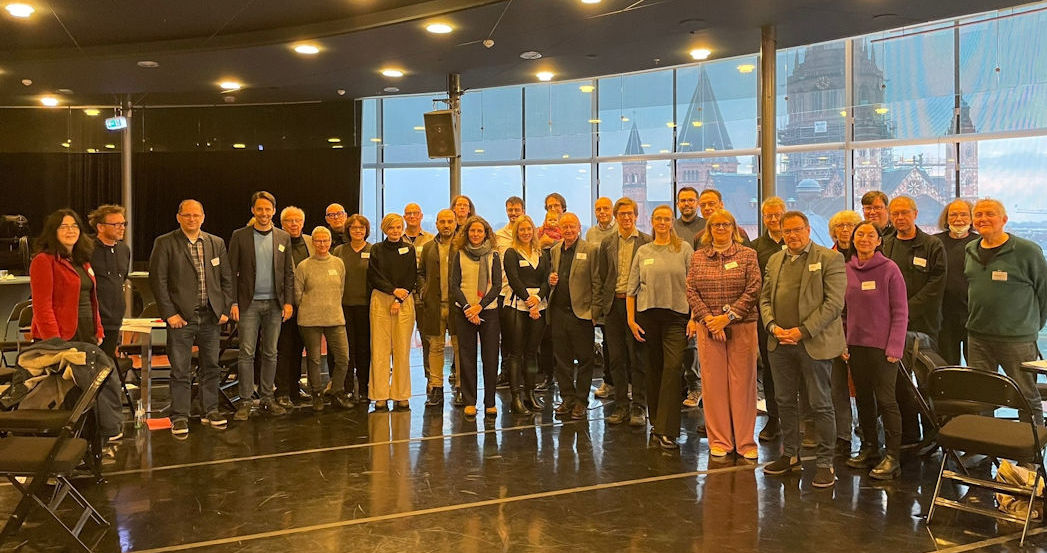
1035,367
13,289
145,327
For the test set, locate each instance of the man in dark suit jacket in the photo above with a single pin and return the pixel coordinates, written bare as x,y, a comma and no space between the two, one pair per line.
190,276
626,356
263,290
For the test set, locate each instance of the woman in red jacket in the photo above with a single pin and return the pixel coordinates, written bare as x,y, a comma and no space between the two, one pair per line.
65,303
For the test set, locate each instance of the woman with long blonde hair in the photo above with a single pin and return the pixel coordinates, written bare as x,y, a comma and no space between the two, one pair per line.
527,271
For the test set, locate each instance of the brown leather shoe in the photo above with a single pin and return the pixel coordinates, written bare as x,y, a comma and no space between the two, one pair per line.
578,412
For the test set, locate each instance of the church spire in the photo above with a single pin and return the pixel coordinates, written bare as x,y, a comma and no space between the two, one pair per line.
703,126
634,147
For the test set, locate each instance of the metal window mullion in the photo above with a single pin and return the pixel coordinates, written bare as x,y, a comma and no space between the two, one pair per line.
848,126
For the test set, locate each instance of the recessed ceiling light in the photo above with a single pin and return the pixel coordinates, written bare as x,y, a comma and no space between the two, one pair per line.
65,144
843,113
239,146
92,150
230,85
337,147
710,149
544,76
334,140
624,119
376,140
696,123
530,55
685,143
65,91
671,125
590,1
49,101
391,72
20,10
663,151
881,110
419,128
148,64
565,156
92,112
307,49
439,28
390,89
110,146
746,68
594,121
587,88
700,53
478,151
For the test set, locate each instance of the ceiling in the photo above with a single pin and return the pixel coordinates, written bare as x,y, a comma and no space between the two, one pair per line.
91,48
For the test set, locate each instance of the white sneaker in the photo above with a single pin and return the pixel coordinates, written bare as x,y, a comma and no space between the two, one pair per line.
692,399
604,391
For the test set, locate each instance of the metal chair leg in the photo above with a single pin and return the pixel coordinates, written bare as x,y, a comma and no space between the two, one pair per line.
938,487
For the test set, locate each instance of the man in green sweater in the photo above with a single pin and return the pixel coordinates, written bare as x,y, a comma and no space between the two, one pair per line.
1007,296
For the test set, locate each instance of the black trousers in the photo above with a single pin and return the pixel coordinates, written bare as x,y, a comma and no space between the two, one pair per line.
546,359
608,376
505,323
110,341
574,342
470,337
289,348
952,338
903,391
874,385
358,329
628,358
521,336
766,375
666,335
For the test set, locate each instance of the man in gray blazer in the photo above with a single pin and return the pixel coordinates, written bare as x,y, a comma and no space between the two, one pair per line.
190,276
626,357
263,292
574,278
800,304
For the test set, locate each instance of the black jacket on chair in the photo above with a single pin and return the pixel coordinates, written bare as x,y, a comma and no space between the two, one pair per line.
242,265
173,278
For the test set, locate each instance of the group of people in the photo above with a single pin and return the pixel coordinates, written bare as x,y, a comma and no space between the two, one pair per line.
816,319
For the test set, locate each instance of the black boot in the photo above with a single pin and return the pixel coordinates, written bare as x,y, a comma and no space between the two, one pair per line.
867,456
888,469
516,384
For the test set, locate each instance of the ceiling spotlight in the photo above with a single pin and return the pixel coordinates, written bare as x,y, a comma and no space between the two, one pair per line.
700,53
337,147
587,88
595,121
390,72
439,28
530,55
229,85
419,128
390,89
746,68
92,112
239,146
65,144
110,146
376,140
307,49
148,64
92,150
20,10
544,76
590,1
334,140
49,101
27,82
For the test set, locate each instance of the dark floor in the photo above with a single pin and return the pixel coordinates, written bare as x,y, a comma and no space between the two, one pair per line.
429,480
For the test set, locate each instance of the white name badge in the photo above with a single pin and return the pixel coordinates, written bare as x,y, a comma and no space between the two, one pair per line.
784,247
582,256
524,263
365,255
281,248
332,272
216,261
815,267
649,261
403,250
919,261
731,265
868,285
1000,276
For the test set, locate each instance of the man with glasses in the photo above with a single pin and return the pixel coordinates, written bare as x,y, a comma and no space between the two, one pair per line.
955,222
800,305
768,244
336,218
110,260
415,235
190,276
921,258
290,345
626,360
874,209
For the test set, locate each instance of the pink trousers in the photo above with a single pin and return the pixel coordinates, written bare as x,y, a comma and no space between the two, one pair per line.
729,387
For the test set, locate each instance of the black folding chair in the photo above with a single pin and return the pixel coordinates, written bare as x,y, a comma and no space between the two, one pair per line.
1020,440
43,458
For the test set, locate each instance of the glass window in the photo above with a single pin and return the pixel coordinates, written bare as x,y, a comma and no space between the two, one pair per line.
649,183
919,172
572,180
716,105
814,183
1003,86
403,128
425,186
489,187
492,124
370,206
811,91
369,130
636,114
557,121
903,85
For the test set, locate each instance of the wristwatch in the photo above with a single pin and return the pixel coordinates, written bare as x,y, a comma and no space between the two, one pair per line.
730,314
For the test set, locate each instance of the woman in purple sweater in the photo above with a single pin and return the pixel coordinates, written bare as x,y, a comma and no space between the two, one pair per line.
875,296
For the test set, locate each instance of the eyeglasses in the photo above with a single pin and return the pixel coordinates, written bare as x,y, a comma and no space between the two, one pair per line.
625,214
721,225
873,208
335,214
117,225
793,230
191,215
321,240
293,221
73,226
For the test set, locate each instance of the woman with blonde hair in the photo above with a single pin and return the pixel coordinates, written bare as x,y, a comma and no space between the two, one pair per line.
392,273
527,271
723,290
656,309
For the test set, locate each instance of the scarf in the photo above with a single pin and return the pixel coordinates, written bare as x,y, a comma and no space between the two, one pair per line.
481,254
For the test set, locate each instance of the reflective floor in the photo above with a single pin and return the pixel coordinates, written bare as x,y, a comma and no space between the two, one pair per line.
430,480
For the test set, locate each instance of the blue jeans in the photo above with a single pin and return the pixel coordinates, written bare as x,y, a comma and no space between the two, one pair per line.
792,369
203,330
266,315
987,355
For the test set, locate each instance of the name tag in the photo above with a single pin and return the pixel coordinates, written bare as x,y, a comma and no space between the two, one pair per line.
868,285
332,272
1000,276
524,263
731,265
281,248
403,250
365,255
90,271
919,261
216,261
814,267
649,261
785,247
582,256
